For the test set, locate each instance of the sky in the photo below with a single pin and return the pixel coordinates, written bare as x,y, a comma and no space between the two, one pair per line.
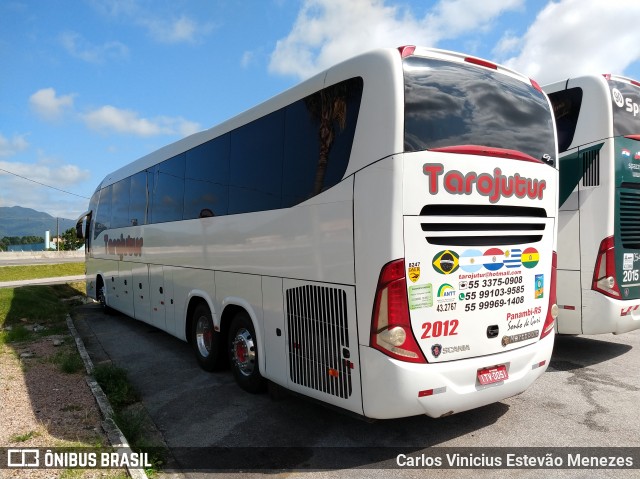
87,86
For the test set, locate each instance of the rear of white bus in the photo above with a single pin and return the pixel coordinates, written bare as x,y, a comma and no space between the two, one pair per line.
464,309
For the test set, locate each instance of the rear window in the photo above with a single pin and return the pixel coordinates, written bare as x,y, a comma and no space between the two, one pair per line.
625,99
450,104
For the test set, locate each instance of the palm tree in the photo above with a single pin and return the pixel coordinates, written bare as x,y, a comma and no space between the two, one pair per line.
327,106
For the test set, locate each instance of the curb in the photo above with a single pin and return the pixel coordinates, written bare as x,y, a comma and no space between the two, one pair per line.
116,438
42,281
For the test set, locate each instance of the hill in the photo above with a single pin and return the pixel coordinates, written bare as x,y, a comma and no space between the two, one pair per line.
19,221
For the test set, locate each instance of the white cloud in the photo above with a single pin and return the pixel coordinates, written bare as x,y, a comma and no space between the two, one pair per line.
164,27
247,59
48,105
18,191
111,119
573,37
77,46
177,30
327,32
11,146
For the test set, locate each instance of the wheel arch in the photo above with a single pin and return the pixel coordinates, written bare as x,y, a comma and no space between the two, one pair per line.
195,298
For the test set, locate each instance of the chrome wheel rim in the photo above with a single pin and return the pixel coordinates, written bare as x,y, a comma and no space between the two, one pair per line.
243,351
204,336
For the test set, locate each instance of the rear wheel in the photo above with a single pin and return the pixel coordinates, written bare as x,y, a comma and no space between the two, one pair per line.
243,354
206,342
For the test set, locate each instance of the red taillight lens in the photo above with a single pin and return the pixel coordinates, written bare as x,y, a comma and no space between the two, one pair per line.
406,50
604,274
552,311
535,85
482,63
390,325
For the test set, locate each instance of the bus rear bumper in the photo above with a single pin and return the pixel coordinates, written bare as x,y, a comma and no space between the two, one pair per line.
602,314
393,389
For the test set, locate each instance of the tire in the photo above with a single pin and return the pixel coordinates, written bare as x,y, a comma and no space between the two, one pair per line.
205,341
243,354
102,299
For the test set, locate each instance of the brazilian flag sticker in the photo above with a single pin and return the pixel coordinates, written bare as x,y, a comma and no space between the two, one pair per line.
446,262
530,258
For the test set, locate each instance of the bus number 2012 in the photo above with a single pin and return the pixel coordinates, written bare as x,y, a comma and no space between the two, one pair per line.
440,328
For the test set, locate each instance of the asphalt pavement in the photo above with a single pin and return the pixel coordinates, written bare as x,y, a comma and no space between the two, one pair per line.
587,398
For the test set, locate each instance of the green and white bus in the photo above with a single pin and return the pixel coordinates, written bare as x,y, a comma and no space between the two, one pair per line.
598,126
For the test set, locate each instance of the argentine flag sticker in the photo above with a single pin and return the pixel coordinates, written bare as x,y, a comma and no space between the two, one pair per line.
471,260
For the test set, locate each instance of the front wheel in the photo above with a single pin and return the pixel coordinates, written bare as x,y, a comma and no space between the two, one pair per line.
206,342
102,299
243,354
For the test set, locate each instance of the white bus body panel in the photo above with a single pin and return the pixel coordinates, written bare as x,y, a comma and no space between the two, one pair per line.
393,388
602,314
506,294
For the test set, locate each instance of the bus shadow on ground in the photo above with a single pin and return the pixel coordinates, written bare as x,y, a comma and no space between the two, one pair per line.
50,369
209,423
576,352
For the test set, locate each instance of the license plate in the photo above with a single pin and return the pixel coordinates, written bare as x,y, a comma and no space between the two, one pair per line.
493,375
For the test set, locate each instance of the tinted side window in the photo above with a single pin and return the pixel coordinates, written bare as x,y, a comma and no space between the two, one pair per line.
120,203
319,133
168,191
255,176
207,179
138,199
103,217
566,109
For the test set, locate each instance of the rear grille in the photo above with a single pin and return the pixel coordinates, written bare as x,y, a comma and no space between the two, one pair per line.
629,214
519,225
591,168
319,339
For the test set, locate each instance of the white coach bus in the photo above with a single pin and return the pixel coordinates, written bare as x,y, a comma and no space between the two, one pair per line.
598,128
380,237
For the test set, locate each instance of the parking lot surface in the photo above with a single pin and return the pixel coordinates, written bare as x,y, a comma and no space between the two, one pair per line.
588,397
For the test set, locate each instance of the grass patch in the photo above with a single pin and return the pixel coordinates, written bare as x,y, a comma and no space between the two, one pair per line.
37,271
68,361
17,334
115,384
23,437
129,415
131,423
41,304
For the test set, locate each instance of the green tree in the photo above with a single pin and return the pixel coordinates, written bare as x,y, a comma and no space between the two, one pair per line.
70,241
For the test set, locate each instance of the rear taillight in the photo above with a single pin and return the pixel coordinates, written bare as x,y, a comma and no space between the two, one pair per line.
604,274
481,62
390,325
536,85
552,311
406,50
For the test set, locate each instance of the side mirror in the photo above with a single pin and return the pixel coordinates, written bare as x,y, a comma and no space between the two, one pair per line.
79,229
